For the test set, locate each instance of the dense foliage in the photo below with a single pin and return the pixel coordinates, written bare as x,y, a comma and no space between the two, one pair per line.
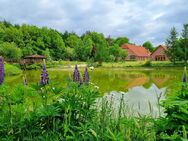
51,112
178,47
174,125
17,41
56,113
148,45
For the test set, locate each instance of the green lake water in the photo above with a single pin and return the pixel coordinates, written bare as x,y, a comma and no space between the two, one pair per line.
111,79
139,87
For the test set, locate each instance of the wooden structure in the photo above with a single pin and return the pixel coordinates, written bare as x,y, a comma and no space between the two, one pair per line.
32,59
160,54
135,52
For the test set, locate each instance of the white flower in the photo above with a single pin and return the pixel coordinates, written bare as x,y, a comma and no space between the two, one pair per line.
97,87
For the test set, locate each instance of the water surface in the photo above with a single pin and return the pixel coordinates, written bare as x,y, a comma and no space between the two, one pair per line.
112,79
140,88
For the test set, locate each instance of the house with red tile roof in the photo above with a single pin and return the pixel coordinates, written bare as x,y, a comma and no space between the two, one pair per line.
160,54
136,52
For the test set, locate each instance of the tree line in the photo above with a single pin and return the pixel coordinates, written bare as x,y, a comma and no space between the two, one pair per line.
17,41
178,45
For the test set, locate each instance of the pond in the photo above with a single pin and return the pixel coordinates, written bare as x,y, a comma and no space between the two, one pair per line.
142,86
111,79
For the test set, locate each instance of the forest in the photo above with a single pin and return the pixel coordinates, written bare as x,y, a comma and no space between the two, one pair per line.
17,41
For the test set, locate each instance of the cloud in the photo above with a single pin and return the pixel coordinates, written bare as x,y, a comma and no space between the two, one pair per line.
139,20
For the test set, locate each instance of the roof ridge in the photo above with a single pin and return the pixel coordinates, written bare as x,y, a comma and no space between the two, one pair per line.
136,49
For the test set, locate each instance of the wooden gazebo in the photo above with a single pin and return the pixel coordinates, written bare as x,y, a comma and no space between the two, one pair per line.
32,59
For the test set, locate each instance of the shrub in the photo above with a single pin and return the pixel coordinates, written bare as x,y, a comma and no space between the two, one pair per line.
33,66
12,70
10,51
174,125
147,63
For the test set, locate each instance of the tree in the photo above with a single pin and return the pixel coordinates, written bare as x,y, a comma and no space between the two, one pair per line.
110,41
121,40
57,46
117,52
100,47
172,45
184,43
10,51
47,53
69,54
148,45
72,41
28,50
87,47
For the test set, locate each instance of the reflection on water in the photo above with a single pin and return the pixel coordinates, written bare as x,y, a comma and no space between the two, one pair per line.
138,100
112,79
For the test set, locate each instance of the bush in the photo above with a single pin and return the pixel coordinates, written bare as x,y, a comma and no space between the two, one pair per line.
12,70
10,51
174,125
147,63
33,66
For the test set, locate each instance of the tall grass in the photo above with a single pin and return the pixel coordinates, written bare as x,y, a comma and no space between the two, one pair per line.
12,70
52,113
56,113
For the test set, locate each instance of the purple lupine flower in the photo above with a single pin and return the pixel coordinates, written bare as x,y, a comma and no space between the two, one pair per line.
44,76
184,78
76,75
1,71
185,75
86,76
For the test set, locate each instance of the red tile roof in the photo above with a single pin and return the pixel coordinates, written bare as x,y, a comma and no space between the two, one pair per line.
162,46
137,50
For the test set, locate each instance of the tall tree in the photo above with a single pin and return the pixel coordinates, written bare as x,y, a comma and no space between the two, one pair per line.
121,40
110,41
148,45
172,45
184,42
100,46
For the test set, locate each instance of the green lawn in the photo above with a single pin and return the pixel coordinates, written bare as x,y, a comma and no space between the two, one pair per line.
141,64
65,64
11,69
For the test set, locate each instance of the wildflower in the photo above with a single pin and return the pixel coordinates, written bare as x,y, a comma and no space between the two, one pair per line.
86,76
185,75
76,75
44,75
1,71
97,87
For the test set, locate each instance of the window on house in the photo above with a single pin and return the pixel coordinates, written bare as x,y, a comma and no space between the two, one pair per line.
132,57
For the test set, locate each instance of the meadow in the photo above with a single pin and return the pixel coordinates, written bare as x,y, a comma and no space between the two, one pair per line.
120,64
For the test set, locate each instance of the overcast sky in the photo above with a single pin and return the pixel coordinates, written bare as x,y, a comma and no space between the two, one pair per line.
139,20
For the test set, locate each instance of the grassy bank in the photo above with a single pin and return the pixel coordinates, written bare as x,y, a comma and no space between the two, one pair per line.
125,64
141,64
64,64
11,69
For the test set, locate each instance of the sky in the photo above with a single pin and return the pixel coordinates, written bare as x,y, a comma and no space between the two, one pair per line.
139,20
